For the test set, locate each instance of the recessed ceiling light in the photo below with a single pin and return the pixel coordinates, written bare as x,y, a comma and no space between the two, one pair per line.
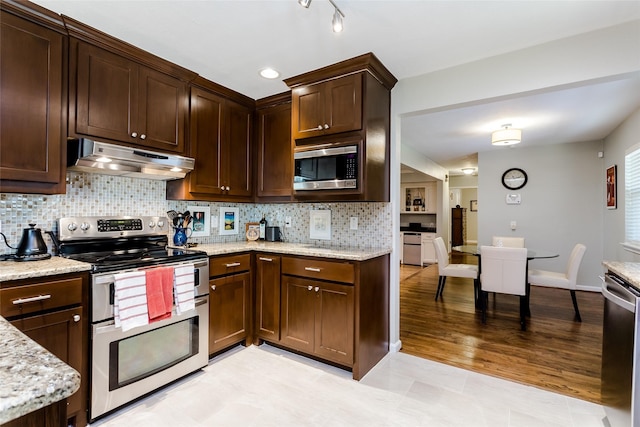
468,171
269,73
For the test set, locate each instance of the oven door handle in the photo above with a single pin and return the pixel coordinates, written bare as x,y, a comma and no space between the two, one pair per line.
618,294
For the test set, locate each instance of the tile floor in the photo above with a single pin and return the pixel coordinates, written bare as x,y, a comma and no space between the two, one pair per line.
266,386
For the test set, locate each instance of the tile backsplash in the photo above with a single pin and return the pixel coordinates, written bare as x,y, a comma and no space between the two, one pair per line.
93,194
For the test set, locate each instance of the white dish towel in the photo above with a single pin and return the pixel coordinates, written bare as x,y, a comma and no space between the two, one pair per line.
184,288
130,300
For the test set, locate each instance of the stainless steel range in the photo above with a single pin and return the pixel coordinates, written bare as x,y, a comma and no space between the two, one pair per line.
129,363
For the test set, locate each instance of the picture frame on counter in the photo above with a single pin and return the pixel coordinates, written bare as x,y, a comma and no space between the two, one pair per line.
320,224
612,184
229,221
201,223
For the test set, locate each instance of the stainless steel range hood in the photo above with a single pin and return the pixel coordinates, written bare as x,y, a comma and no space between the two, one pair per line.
85,155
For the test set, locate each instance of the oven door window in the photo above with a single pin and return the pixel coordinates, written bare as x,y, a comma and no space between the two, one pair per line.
140,356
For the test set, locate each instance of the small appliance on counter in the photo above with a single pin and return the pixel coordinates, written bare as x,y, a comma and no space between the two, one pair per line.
272,234
31,247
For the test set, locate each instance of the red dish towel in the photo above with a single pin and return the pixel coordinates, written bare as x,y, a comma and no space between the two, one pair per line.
159,293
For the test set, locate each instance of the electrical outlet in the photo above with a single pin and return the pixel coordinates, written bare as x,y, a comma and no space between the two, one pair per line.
287,222
513,225
353,223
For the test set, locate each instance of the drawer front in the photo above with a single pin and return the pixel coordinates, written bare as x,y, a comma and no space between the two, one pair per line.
223,265
324,270
40,296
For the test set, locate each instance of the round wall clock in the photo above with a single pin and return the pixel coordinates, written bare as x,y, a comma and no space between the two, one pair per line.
514,178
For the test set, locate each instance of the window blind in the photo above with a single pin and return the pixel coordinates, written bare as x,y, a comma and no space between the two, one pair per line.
632,197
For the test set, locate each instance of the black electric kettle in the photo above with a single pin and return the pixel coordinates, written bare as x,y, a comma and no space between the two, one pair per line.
32,246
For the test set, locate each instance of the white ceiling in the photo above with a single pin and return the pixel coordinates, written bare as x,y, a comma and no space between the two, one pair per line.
230,41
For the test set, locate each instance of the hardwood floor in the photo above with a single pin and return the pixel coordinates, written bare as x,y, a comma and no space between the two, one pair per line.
555,353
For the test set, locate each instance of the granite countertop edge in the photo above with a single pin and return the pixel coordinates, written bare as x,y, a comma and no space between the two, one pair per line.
629,271
12,270
30,376
335,252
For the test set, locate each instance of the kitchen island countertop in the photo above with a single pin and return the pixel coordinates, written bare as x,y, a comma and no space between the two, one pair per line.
30,377
337,252
629,271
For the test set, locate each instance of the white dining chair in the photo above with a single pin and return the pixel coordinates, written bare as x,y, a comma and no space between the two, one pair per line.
445,269
508,242
565,280
504,271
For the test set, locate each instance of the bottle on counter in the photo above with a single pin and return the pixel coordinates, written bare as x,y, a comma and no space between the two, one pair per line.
263,227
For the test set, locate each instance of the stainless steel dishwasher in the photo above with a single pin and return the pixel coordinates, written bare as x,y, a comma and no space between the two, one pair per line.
620,386
412,248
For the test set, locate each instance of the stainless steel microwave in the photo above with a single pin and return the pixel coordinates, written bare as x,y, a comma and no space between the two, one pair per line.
326,169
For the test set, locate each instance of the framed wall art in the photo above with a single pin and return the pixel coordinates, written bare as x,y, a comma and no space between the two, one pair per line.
320,224
229,221
612,183
201,223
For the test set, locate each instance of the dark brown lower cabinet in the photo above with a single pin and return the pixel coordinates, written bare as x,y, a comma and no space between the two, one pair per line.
267,296
58,324
318,318
229,301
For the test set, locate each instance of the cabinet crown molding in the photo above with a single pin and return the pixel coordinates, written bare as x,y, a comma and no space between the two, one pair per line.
363,63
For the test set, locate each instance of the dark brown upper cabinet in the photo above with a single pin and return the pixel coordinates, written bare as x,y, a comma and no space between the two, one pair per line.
32,99
349,101
274,181
220,141
120,93
328,107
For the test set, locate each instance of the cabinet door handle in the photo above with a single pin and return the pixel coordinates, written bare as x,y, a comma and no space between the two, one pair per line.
265,259
326,126
76,318
134,134
317,270
232,264
213,287
30,299
309,287
319,127
143,136
317,288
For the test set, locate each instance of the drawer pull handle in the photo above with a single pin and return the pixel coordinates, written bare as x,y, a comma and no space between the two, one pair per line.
317,288
265,259
31,299
309,287
76,318
317,270
232,264
213,287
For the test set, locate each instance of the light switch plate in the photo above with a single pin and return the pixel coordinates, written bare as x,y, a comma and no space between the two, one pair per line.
513,199
287,222
353,223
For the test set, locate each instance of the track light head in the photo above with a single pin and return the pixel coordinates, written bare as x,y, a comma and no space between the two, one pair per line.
305,3
336,22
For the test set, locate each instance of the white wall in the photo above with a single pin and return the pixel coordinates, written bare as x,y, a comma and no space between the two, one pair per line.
598,55
562,203
625,136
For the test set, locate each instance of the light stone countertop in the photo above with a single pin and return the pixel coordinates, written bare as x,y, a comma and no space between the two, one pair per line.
629,271
30,377
336,252
15,270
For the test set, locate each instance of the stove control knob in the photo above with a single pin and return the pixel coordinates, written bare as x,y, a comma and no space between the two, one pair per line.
152,224
73,226
85,226
160,223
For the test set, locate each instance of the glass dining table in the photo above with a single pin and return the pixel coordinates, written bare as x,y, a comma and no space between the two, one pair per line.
531,254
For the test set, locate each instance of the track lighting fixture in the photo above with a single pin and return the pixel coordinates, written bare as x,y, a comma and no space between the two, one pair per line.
336,21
